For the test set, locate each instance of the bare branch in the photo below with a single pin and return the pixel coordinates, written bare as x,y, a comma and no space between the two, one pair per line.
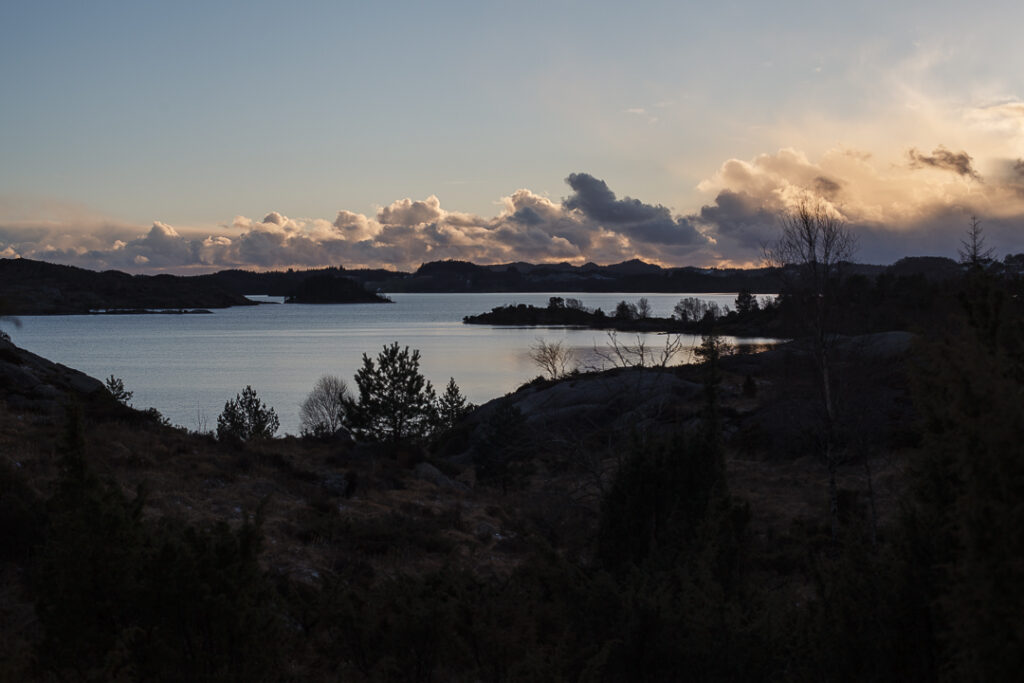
554,358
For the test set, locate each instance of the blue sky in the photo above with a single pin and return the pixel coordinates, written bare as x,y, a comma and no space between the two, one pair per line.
191,136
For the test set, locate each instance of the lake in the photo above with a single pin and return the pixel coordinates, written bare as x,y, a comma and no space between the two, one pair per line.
187,366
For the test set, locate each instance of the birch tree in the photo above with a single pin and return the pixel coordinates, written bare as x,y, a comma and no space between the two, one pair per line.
814,244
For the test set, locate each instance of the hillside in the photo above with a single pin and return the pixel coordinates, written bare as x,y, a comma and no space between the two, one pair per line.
36,288
361,515
836,508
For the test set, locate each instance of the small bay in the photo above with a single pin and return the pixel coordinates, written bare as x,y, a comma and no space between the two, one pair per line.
187,366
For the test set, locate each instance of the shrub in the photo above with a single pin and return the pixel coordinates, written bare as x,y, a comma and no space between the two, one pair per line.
115,385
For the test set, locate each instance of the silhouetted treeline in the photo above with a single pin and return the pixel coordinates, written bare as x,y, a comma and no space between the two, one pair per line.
288,282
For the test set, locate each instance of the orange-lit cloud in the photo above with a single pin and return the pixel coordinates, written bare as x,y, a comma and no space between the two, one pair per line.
917,206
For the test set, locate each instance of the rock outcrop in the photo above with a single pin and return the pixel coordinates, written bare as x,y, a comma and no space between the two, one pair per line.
30,382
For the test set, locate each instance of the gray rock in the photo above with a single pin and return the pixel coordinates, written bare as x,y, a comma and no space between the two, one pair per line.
26,374
428,472
82,383
612,399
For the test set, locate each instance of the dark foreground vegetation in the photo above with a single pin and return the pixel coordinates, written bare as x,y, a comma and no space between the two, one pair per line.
733,519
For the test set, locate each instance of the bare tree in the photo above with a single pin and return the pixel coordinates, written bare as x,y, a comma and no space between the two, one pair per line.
554,358
691,309
323,410
816,242
643,309
972,249
619,354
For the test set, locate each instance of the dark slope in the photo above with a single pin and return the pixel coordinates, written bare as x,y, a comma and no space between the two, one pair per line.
30,287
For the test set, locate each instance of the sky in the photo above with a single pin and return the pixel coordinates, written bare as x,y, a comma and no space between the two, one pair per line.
153,136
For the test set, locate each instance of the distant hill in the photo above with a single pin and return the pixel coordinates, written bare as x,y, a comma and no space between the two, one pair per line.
934,268
630,276
30,287
286,282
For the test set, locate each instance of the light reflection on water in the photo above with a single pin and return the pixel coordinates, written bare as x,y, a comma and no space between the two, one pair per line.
187,366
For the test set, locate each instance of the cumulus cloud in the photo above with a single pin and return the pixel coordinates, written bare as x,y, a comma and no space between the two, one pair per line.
650,224
590,224
894,209
409,212
741,223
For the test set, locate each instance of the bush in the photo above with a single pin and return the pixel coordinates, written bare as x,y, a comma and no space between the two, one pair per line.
247,417
115,385
164,600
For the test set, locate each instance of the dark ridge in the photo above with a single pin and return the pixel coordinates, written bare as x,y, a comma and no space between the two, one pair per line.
36,288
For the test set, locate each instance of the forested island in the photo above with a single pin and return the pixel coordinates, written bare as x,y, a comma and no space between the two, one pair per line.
843,507
691,315
332,289
30,287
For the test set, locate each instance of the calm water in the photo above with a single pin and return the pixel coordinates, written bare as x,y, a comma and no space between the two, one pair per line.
187,366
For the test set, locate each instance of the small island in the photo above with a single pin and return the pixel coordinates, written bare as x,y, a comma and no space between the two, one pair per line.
332,289
692,315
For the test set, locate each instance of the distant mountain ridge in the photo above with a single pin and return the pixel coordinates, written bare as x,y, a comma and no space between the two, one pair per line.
30,287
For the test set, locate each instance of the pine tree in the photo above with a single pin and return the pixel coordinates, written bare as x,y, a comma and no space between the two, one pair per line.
247,417
396,402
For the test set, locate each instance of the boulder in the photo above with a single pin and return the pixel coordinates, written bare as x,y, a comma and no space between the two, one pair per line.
429,473
33,378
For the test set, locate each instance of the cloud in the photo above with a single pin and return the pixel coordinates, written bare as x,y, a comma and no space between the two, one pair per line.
894,209
409,212
827,188
942,158
643,223
741,223
590,224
